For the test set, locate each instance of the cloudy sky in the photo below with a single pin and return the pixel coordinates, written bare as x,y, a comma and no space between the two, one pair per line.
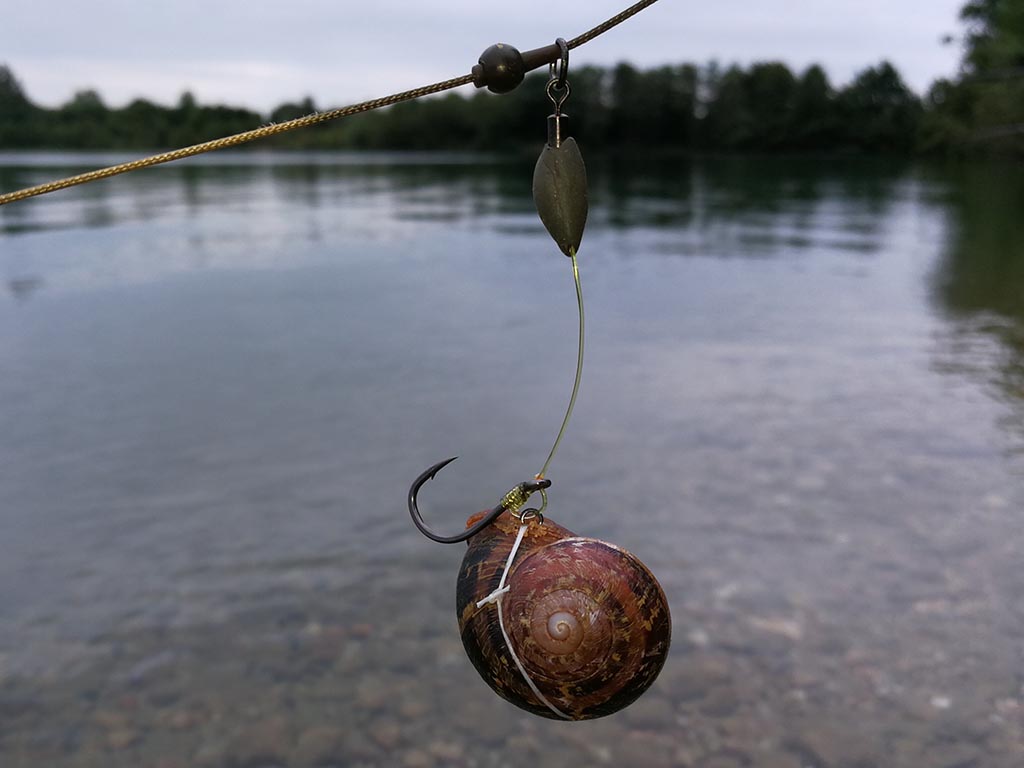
259,54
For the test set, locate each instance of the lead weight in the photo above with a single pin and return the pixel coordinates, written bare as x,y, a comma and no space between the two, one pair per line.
560,191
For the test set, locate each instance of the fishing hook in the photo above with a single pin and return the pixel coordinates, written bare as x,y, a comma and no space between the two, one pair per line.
514,499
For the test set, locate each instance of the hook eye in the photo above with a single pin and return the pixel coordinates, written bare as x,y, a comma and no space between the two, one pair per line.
537,484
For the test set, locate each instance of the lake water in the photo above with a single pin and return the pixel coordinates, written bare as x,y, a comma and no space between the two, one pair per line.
802,407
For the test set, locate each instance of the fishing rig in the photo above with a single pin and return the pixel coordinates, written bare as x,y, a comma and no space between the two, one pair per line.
563,626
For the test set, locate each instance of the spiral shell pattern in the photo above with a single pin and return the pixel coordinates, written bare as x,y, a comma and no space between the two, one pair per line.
588,620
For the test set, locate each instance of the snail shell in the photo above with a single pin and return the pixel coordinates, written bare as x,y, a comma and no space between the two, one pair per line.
588,620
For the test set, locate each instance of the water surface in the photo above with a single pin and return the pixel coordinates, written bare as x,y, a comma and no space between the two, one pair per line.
802,407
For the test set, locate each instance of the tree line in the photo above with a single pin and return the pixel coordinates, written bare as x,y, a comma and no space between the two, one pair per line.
765,107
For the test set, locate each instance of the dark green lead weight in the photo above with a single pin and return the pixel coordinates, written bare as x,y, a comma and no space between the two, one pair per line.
560,193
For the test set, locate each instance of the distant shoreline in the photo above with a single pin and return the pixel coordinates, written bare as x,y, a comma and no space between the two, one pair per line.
765,108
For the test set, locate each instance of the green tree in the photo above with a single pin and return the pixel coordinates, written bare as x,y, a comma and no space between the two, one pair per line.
727,123
624,115
13,101
995,34
187,103
983,110
814,124
672,95
994,64
17,114
948,115
83,122
87,102
587,107
879,112
686,97
770,91
292,111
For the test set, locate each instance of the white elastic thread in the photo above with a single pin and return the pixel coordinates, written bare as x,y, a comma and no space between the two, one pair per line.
495,597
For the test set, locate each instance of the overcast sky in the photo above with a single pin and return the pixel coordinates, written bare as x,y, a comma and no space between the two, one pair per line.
259,54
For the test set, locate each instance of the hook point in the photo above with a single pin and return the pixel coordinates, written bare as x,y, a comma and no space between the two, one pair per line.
432,472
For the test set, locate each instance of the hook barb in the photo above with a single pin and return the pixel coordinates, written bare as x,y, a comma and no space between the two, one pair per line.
431,473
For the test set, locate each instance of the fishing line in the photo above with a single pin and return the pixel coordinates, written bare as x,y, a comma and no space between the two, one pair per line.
579,370
479,77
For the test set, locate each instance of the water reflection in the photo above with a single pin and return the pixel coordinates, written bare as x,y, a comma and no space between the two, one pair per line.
22,288
790,205
979,281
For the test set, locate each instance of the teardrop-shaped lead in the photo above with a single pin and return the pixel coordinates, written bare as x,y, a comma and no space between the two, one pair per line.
560,193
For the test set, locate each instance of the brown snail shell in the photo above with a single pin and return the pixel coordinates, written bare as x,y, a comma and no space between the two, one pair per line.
588,620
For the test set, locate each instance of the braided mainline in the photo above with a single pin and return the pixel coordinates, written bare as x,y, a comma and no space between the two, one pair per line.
262,132
614,21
